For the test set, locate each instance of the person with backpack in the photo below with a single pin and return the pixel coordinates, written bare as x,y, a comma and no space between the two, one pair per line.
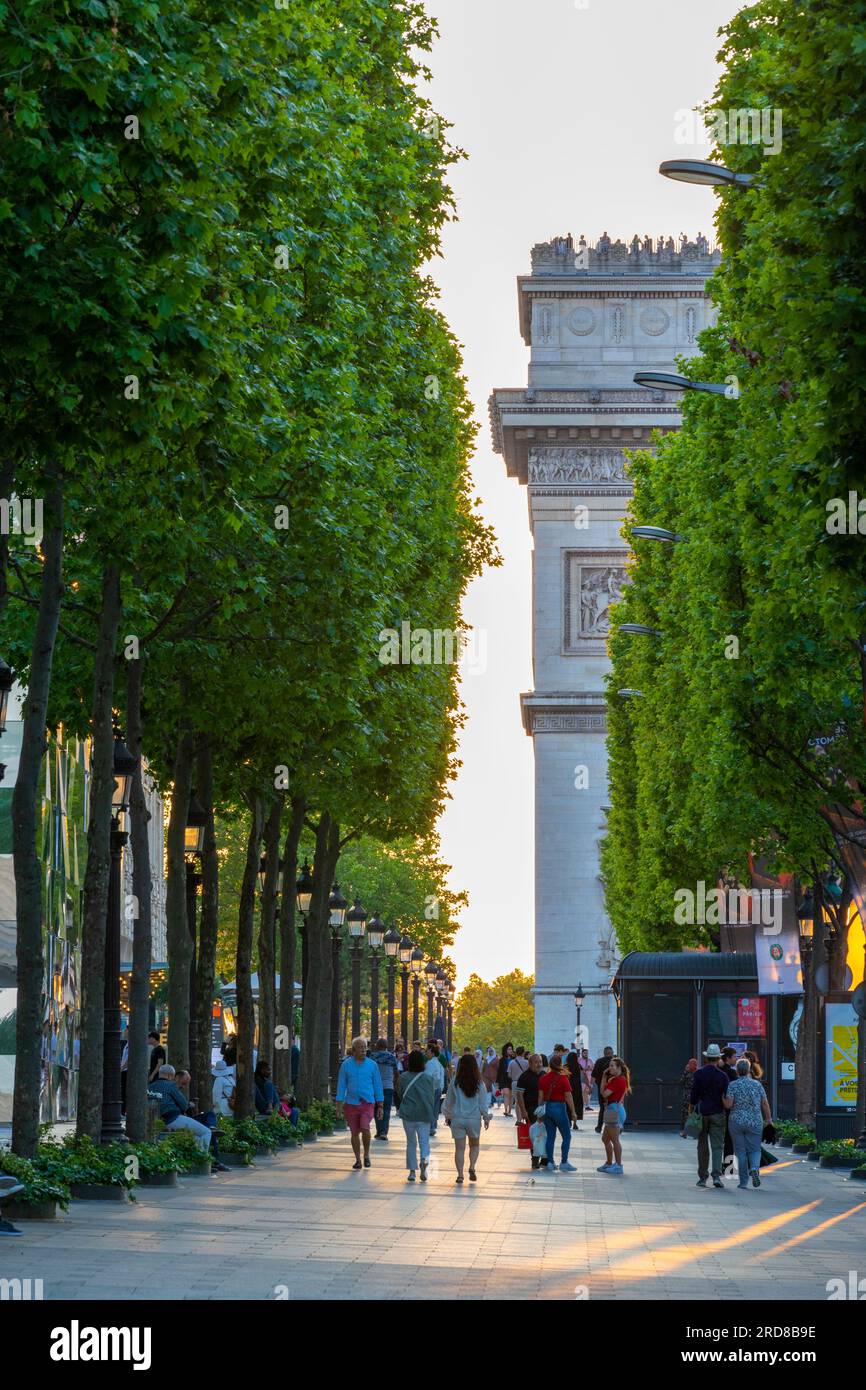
415,1102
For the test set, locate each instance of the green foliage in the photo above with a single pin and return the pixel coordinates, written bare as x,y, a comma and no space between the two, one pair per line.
183,1150
156,1158
840,1148
320,1115
77,1159
39,1185
496,1013
797,1133
715,765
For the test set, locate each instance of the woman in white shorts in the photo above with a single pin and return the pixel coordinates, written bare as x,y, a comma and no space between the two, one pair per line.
466,1108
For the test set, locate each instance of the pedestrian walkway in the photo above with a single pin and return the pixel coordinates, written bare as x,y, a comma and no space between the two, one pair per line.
303,1226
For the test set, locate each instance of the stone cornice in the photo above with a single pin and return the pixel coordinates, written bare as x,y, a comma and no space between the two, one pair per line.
564,712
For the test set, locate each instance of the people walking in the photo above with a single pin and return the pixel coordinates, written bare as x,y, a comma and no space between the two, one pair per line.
599,1068
686,1080
465,1110
575,1075
415,1098
359,1096
503,1080
386,1061
586,1071
729,1058
489,1072
527,1100
748,1111
435,1069
516,1067
615,1086
709,1088
554,1089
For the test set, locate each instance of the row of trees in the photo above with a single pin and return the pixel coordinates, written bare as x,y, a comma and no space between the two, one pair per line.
226,379
748,739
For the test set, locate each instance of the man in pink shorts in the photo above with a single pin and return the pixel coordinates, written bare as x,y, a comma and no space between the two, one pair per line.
360,1095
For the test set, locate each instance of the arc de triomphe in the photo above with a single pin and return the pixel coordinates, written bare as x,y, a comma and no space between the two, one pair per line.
592,317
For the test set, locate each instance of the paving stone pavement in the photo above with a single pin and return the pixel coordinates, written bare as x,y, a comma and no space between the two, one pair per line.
304,1225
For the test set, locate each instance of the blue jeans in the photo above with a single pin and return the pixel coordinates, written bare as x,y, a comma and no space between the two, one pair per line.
556,1118
437,1106
747,1147
382,1125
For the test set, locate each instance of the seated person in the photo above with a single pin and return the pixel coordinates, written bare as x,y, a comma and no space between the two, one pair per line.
173,1106
289,1109
267,1096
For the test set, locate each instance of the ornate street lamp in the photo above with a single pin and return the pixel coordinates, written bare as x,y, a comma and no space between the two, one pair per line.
701,171
430,970
193,845
392,946
304,892
112,1118
416,965
579,1000
337,906
405,953
356,920
375,935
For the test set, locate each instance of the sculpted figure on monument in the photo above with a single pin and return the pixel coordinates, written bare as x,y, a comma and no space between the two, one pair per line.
599,588
603,243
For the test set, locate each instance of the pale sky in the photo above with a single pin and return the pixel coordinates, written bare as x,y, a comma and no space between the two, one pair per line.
565,109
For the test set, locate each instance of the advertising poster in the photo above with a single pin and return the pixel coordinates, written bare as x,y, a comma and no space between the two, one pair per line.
841,1055
752,1017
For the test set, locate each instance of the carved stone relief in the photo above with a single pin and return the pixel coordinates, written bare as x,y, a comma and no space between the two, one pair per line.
575,465
593,582
581,322
655,321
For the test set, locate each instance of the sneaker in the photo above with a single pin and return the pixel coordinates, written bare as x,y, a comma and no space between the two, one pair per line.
220,1168
701,1182
615,1168
357,1163
717,1182
547,1168
410,1177
423,1172
605,1168
756,1178
459,1178
567,1168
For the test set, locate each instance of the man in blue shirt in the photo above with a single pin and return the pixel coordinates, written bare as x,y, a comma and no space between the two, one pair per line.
708,1088
359,1095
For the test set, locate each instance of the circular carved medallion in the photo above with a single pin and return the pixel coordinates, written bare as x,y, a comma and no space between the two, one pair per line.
654,321
581,322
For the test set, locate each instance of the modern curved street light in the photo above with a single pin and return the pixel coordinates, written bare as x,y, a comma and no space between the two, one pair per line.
655,533
640,629
673,381
702,171
628,694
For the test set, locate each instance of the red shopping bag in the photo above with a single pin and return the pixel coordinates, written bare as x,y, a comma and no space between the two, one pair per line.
523,1139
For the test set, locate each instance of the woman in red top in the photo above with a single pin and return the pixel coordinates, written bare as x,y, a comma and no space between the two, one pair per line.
554,1092
615,1086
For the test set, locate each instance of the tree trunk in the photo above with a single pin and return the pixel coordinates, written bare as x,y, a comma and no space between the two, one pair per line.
206,966
313,1077
267,940
288,949
178,940
243,968
26,797
142,941
98,863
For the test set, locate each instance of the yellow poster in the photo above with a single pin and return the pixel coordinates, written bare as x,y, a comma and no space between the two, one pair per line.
841,1050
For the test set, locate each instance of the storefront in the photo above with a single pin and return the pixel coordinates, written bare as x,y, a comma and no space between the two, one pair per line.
672,1005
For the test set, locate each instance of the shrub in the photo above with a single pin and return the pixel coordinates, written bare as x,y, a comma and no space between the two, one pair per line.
38,1186
79,1160
840,1148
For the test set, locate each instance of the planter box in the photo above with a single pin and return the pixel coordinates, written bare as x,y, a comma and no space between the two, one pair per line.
813,1155
802,1148
263,1152
859,1174
311,1137
785,1143
159,1180
30,1211
99,1192
234,1160
199,1170
828,1161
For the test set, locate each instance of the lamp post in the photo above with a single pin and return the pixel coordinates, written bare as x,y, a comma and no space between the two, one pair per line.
452,990
579,1000
673,381
441,984
430,971
701,171
193,844
5,687
392,946
337,906
406,949
805,1059
416,965
656,533
304,891
112,1118
375,935
356,919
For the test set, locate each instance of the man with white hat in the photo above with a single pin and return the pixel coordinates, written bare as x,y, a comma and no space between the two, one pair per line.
708,1088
